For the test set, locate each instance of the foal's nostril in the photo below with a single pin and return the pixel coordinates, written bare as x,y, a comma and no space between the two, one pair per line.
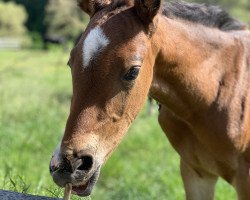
53,168
86,164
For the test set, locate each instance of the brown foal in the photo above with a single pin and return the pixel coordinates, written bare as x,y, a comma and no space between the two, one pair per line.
193,59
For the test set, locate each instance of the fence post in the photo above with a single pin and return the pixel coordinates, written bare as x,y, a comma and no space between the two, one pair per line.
9,195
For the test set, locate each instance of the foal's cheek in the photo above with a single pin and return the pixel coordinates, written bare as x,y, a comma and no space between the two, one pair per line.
109,144
142,89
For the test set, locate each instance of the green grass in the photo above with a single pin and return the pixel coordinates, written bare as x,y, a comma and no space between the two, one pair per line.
35,89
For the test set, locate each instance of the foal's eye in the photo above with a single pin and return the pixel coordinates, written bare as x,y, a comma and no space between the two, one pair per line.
132,73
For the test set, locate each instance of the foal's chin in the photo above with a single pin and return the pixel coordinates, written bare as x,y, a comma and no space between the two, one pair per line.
84,188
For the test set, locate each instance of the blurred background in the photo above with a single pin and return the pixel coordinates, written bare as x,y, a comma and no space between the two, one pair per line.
35,88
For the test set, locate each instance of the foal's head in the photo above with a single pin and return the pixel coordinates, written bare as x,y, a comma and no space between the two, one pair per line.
112,69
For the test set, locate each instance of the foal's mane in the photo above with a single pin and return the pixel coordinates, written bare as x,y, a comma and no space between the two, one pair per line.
208,15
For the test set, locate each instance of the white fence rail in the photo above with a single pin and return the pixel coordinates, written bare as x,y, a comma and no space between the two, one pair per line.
10,43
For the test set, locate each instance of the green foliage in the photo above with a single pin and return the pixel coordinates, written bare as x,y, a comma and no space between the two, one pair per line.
242,11
35,10
68,20
12,19
35,100
37,41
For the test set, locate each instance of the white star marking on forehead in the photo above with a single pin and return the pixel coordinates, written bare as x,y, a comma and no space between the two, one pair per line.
95,41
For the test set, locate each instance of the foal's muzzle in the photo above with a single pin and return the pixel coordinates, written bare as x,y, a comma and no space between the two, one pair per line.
82,172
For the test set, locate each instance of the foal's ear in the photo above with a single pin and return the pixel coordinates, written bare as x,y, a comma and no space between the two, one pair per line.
92,6
147,9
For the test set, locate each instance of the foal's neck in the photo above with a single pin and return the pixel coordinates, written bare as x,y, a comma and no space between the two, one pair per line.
189,65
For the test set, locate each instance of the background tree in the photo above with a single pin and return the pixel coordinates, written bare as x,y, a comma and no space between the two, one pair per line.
36,11
12,19
64,18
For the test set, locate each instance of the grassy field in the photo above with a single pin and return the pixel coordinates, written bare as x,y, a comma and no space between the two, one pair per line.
35,89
